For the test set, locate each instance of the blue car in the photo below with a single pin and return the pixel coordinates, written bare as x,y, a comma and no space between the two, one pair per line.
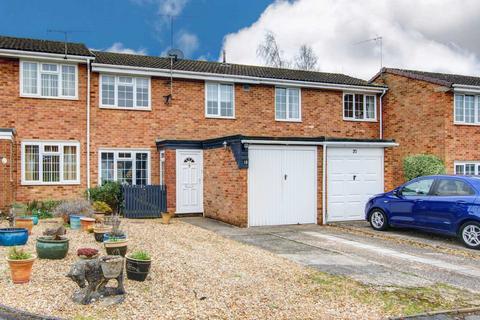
443,204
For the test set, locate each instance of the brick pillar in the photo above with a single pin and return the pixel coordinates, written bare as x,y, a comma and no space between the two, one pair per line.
7,180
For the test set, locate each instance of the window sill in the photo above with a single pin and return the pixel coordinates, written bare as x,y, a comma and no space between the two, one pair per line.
220,117
126,108
289,120
48,98
360,120
26,183
466,124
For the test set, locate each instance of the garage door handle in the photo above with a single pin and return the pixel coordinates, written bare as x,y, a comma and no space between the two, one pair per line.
285,177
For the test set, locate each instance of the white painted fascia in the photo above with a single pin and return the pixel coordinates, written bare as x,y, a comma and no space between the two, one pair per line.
6,135
43,56
324,143
116,69
465,89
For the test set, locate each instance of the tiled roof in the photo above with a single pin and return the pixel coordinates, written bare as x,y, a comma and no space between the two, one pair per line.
132,60
445,79
45,46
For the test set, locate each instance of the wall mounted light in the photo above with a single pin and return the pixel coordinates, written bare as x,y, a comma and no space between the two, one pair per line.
224,145
4,160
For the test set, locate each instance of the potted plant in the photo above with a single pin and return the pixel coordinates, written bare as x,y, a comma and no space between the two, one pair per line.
138,265
166,216
116,246
87,253
13,236
87,223
112,266
20,263
24,222
72,210
101,209
52,247
99,230
32,207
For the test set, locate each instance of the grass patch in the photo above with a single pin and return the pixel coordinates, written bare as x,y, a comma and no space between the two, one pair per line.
398,301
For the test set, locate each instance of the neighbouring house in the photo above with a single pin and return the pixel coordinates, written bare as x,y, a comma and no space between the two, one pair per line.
432,113
247,145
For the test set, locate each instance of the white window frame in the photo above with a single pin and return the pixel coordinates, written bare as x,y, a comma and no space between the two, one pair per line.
365,94
39,80
115,152
162,167
464,163
116,83
218,116
476,107
41,145
287,119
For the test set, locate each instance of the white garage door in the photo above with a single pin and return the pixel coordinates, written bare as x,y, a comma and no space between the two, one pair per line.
353,176
282,185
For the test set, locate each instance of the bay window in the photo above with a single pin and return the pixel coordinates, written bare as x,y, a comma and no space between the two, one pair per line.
287,104
125,166
219,100
124,92
45,162
48,80
360,107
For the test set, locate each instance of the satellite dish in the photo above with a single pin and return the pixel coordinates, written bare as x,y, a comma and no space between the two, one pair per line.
175,54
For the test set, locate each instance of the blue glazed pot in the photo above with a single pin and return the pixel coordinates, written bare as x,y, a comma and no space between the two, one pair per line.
13,236
107,236
75,222
35,219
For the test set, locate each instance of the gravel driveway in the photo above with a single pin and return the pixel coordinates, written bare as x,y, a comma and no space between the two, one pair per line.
196,274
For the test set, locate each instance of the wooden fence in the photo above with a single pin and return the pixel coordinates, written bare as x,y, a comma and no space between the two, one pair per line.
144,201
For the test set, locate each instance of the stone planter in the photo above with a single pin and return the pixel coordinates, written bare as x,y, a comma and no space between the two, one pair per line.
13,236
24,222
21,270
117,247
112,266
87,223
49,248
138,269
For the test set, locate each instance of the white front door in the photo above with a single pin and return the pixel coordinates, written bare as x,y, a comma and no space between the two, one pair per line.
353,176
282,185
189,181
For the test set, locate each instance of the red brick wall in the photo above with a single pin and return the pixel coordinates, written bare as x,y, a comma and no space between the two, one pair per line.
7,175
43,119
415,114
225,195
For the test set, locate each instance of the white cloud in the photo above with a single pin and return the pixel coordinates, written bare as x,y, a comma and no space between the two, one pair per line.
435,35
120,48
187,42
165,7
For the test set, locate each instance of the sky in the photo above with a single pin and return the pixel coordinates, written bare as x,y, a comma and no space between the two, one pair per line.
430,35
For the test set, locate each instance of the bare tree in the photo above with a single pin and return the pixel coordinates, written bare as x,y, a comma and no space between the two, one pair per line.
306,59
271,53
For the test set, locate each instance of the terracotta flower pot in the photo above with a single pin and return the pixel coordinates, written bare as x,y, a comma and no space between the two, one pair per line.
26,223
166,216
21,269
87,223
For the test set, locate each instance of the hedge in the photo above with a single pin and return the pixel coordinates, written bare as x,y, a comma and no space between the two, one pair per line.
422,165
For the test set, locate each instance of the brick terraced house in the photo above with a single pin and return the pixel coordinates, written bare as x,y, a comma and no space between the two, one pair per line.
247,145
432,113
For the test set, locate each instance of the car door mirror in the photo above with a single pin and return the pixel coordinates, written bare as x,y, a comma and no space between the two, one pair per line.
397,193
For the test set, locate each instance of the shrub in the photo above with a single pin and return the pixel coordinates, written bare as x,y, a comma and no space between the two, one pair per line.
140,255
422,165
74,207
110,192
101,207
18,254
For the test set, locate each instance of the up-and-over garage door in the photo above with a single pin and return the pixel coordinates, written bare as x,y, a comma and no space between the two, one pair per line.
353,176
282,187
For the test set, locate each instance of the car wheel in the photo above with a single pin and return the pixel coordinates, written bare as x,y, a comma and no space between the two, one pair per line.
470,235
378,220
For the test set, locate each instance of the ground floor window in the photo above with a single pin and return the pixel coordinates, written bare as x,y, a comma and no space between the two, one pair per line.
50,162
127,166
467,168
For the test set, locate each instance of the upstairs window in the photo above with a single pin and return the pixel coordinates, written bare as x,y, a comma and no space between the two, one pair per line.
466,109
50,163
219,100
360,107
287,104
124,92
48,80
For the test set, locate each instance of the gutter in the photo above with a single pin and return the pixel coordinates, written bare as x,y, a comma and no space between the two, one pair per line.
324,143
118,69
465,88
43,55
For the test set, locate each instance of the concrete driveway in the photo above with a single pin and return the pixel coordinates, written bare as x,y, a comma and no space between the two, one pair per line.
385,259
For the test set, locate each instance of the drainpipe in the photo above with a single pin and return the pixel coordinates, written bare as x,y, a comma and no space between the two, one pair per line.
88,125
381,113
324,184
